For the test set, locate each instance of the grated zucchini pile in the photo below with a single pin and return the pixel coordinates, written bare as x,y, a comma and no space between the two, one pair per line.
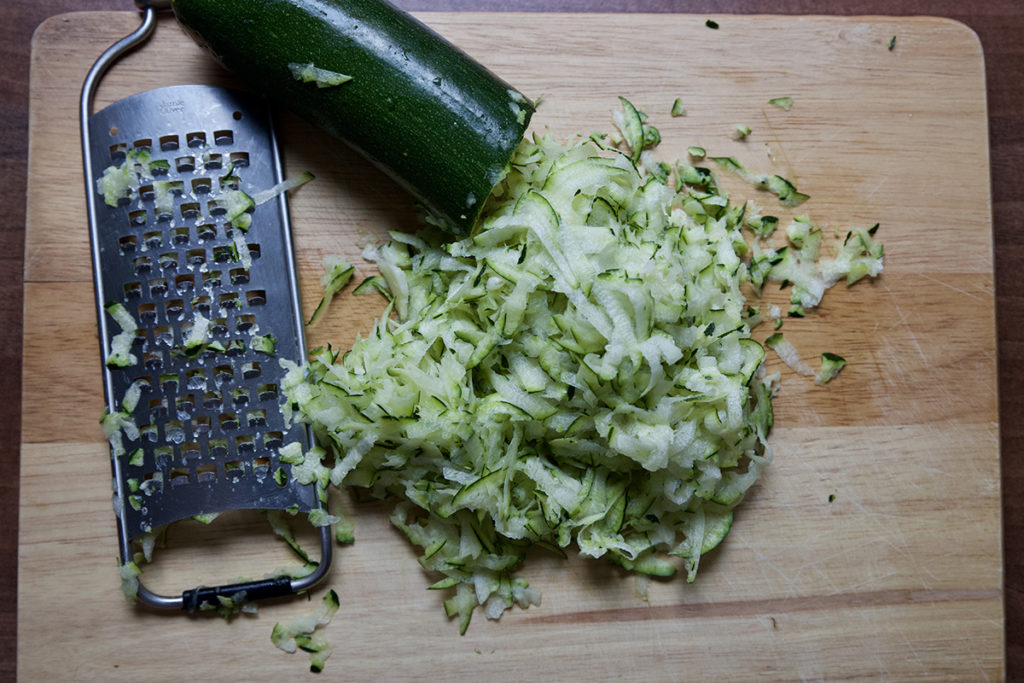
578,373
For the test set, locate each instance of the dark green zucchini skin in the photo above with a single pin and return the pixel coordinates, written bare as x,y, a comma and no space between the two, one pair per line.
419,108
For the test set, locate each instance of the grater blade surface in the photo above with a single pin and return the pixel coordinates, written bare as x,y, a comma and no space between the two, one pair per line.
209,417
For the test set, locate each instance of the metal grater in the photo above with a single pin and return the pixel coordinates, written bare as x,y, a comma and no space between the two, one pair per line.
210,424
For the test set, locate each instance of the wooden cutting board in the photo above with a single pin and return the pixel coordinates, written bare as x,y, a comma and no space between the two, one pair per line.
898,576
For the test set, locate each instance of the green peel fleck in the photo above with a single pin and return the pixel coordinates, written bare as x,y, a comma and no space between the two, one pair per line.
740,132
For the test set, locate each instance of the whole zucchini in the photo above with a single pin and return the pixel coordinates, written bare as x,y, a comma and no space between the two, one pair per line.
419,108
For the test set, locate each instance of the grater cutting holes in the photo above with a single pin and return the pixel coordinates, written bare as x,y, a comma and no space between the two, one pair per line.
207,279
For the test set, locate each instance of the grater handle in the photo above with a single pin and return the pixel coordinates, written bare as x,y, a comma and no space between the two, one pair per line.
111,55
191,600
92,80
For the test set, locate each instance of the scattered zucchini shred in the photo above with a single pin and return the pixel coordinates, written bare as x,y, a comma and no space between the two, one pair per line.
337,273
301,633
374,283
120,183
206,518
236,205
784,103
137,457
695,176
263,343
711,23
637,135
240,249
344,531
117,425
831,364
198,335
264,196
577,374
319,517
324,78
281,527
788,353
763,226
228,606
782,188
130,573
678,108
892,43
120,355
740,132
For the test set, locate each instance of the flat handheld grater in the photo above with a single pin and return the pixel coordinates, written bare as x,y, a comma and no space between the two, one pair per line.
210,288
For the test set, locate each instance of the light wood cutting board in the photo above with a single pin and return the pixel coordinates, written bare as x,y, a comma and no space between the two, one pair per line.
898,577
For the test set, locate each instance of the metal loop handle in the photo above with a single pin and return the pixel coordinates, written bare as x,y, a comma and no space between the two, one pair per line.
191,600
109,56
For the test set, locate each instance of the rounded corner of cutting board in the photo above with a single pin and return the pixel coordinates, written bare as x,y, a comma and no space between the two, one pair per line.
955,25
63,28
948,26
59,23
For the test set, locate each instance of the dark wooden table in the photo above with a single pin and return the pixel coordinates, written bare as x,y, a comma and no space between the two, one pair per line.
999,24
